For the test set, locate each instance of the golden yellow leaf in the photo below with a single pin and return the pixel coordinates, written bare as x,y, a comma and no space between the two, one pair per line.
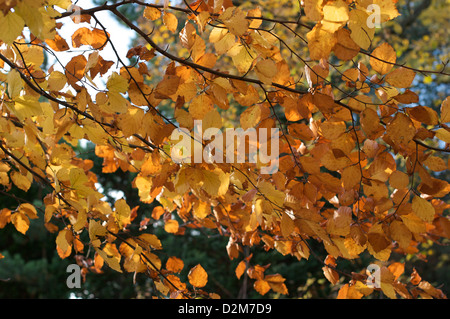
20,221
117,83
320,43
22,182
362,288
242,57
443,134
401,77
151,240
11,25
250,117
28,210
201,209
170,21
266,70
56,81
400,233
111,255
388,290
225,43
423,209
212,119
382,58
25,106
198,277
313,9
200,106
361,33
64,239
445,110
235,20
387,8
15,83
335,15
96,229
152,13
345,48
161,287
215,183
414,223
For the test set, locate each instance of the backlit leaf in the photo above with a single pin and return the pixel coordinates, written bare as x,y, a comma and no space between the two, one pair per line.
382,58
198,277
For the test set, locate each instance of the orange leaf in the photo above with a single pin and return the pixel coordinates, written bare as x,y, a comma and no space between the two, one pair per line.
57,43
240,269
171,226
174,264
261,286
198,277
170,21
396,269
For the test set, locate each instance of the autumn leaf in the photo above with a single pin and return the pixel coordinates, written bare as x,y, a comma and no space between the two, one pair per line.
383,58
401,77
235,20
12,25
423,209
152,13
331,274
21,222
361,33
320,42
445,110
330,101
174,264
401,129
198,277
170,21
261,286
171,226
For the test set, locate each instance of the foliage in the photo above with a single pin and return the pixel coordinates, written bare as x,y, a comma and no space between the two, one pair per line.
360,178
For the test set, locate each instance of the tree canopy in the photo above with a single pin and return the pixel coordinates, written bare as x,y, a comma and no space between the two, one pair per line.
315,130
